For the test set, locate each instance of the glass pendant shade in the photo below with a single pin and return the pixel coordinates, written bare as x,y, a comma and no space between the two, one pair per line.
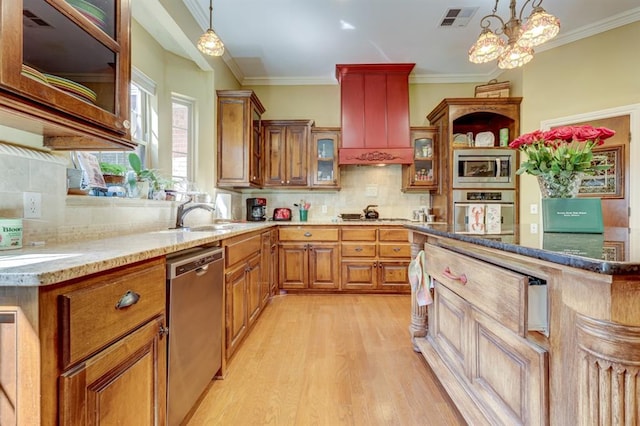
539,28
515,56
487,48
210,44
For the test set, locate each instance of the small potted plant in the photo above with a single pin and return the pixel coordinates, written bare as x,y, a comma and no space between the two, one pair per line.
143,182
114,174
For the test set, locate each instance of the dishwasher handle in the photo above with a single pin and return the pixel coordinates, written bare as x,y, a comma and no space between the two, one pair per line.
202,270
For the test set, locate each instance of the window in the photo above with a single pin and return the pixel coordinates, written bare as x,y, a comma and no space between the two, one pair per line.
182,138
143,90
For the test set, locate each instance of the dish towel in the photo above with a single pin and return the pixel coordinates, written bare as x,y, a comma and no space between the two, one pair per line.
420,281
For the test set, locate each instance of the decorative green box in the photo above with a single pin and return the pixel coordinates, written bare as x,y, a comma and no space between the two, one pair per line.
586,245
578,215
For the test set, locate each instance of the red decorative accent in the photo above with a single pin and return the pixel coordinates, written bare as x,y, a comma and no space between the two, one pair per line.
375,108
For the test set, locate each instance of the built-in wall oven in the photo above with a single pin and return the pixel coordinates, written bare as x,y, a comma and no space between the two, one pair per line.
484,211
484,168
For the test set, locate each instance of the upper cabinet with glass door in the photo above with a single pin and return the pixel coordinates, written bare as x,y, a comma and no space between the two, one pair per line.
422,174
67,64
325,142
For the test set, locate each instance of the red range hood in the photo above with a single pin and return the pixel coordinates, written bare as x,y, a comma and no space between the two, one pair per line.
374,101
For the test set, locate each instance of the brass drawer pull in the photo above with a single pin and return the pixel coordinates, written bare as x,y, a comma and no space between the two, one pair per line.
358,249
308,234
397,249
447,273
129,298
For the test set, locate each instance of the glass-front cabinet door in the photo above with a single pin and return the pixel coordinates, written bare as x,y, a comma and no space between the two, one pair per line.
69,56
324,157
422,174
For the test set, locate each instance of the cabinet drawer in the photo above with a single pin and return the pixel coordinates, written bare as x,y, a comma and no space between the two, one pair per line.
308,234
91,318
358,249
359,234
237,251
393,234
395,250
497,292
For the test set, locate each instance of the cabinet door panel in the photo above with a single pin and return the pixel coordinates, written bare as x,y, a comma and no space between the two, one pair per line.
275,154
323,266
359,275
254,287
296,156
508,373
450,328
124,384
293,265
393,276
236,308
233,137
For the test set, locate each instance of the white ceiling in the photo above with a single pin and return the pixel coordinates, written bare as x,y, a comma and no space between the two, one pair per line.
301,41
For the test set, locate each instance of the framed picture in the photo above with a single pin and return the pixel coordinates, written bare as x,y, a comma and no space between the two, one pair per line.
613,251
605,183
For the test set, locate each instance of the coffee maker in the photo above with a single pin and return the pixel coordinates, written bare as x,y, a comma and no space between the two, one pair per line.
256,209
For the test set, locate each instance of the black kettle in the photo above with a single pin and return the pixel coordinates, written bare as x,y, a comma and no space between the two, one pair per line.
370,213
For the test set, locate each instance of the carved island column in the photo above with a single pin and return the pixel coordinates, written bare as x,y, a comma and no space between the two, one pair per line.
418,326
609,381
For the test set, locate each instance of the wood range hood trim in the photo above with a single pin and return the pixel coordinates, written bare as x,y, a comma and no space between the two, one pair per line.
374,103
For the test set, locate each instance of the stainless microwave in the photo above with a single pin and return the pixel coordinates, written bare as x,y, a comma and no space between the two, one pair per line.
484,168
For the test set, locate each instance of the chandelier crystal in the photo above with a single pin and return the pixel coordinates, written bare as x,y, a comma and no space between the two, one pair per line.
209,42
517,50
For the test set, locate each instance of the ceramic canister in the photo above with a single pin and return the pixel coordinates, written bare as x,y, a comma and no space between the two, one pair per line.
10,234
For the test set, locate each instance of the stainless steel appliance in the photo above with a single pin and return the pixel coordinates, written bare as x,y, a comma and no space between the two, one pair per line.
484,168
194,305
484,211
256,209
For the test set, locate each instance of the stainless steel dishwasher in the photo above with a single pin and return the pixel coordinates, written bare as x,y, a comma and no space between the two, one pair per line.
194,304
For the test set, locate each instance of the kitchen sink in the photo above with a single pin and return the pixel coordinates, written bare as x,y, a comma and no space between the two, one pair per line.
212,227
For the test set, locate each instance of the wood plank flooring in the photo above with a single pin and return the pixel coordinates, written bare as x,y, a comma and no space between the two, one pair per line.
328,360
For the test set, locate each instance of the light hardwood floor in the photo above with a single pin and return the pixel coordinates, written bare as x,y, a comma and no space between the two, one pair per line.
328,360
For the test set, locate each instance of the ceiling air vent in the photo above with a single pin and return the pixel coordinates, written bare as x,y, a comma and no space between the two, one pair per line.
33,20
458,16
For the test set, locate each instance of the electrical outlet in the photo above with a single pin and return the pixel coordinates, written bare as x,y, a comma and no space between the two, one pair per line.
32,205
533,228
533,209
324,208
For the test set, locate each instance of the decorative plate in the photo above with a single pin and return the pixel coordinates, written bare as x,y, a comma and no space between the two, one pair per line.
460,139
485,139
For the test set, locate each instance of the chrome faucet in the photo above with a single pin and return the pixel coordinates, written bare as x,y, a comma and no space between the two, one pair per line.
182,210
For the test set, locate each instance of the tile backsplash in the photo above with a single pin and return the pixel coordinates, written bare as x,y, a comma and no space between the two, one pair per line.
74,218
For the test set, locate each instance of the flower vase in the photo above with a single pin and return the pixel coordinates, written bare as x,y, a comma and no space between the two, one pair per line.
562,186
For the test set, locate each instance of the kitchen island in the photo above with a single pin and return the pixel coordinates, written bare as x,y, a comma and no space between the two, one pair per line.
500,359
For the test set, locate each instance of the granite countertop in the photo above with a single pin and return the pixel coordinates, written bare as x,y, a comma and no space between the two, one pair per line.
50,264
609,253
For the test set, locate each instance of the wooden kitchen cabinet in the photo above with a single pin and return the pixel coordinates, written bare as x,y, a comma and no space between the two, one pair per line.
240,148
286,161
323,158
115,386
481,336
375,259
422,173
243,288
79,96
455,118
308,258
102,364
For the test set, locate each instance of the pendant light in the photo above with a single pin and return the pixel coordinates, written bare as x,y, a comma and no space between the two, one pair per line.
538,28
209,42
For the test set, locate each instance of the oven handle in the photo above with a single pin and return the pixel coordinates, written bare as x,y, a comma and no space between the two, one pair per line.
497,174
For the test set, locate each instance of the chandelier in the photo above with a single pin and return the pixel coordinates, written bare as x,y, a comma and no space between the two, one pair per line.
209,42
517,50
